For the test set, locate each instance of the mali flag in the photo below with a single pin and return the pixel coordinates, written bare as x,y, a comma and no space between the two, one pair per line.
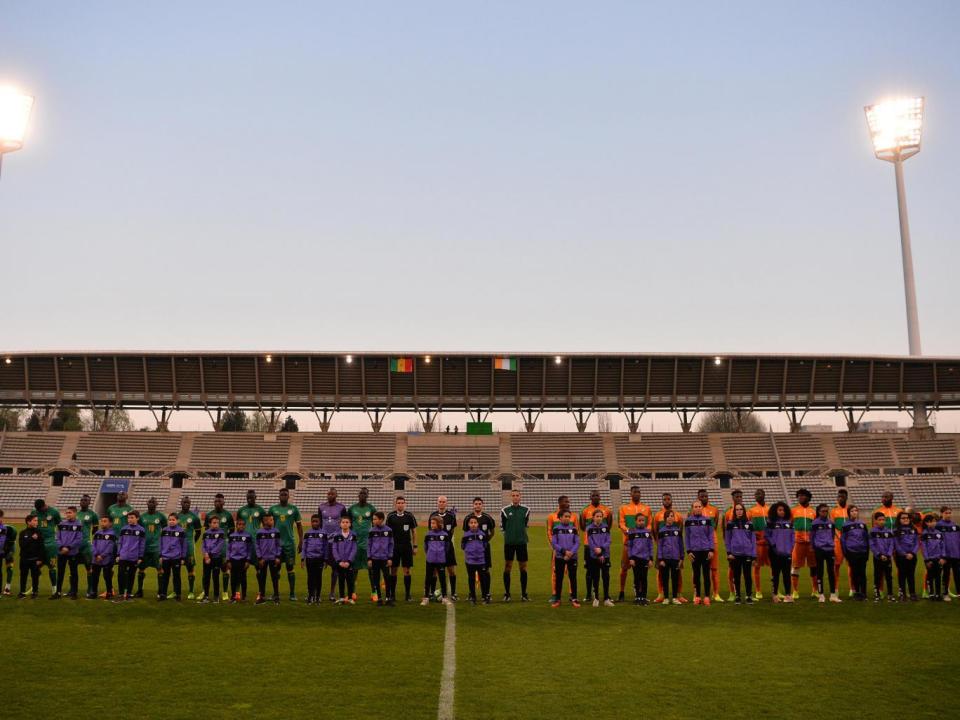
504,363
401,365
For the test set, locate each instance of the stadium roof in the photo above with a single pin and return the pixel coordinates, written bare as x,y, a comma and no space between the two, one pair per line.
470,382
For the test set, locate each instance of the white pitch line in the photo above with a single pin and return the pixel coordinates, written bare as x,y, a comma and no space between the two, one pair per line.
445,707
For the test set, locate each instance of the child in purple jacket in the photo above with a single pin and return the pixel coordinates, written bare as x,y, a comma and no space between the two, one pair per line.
598,547
475,544
173,552
565,542
435,549
906,545
669,557
69,540
213,547
104,556
344,552
823,534
380,547
931,541
780,537
313,556
269,557
951,550
698,537
741,542
881,546
131,545
640,554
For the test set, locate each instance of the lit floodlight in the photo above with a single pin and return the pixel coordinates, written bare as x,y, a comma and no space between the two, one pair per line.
427,359
557,360
269,358
895,127
349,359
717,360
15,109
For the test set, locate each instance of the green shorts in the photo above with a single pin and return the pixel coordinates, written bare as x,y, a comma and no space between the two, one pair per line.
52,552
288,555
151,559
86,555
360,561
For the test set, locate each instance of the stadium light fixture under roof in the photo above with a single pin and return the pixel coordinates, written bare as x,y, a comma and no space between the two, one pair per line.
896,127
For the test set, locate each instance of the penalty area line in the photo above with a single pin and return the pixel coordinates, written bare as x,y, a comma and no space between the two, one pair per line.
445,706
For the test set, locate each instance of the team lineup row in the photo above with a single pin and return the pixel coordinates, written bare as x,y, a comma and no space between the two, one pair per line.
348,540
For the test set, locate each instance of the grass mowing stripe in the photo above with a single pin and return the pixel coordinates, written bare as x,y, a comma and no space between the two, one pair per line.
445,706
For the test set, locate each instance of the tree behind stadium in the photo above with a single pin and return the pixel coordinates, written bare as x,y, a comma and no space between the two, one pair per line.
727,421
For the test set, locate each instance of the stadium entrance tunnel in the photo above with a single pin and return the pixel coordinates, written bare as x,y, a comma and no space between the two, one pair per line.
614,480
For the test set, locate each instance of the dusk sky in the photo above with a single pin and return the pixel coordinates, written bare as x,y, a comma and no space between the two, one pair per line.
555,176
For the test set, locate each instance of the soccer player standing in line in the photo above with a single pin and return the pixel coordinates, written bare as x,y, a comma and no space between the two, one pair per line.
104,557
741,543
839,517
190,522
514,520
287,517
119,510
69,540
713,514
475,544
435,552
48,518
659,521
404,527
890,512
487,525
344,553
823,537
131,545
598,556
226,525
240,554
931,540
8,537
214,546
380,558
174,550
951,551
269,558
361,517
565,542
330,513
669,557
639,549
701,544
153,523
803,515
882,547
626,520
33,554
563,506
448,521
586,519
855,544
781,538
906,544
90,520
252,515
313,558
758,518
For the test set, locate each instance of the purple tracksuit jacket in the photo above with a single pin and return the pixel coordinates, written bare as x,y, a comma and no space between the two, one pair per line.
951,539
314,544
740,539
881,542
70,536
474,544
435,543
173,543
268,544
640,544
598,536
104,545
698,533
214,543
131,543
380,543
932,543
344,546
565,539
670,543
906,540
330,517
780,536
239,546
855,537
822,535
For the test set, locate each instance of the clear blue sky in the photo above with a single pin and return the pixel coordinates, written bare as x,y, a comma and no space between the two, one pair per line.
538,175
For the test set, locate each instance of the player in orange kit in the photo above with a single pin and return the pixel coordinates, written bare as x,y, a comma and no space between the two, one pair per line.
563,505
659,520
802,515
627,520
758,519
713,514
839,517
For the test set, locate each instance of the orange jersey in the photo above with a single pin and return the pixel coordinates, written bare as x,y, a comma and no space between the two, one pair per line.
890,513
758,519
838,515
628,517
554,517
713,513
803,521
586,517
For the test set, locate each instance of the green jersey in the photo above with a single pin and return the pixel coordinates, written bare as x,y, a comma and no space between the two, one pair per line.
190,522
286,517
362,517
226,520
513,521
89,519
48,521
118,515
252,515
153,523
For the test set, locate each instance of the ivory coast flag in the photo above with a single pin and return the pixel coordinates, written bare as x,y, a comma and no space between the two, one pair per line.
504,363
401,365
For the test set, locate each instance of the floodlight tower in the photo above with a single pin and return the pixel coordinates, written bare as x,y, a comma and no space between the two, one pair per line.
896,127
15,109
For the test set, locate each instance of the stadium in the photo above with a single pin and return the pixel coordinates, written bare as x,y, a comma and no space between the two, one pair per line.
440,361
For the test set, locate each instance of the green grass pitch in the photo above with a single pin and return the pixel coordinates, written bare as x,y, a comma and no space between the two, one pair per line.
513,661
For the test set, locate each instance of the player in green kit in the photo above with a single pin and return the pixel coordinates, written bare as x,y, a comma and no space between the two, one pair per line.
89,519
252,515
226,524
190,522
361,513
118,511
287,517
48,518
153,522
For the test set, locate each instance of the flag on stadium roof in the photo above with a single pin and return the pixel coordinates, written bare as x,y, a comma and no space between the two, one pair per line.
501,363
401,365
